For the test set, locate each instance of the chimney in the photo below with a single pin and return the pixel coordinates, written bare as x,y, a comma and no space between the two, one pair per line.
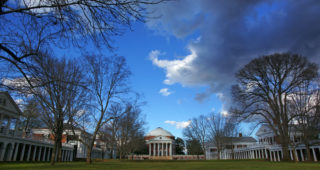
240,134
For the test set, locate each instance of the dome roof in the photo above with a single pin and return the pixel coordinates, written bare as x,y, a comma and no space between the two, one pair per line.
159,132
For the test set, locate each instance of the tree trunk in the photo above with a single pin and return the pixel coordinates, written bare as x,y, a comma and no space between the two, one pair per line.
90,146
284,141
295,156
285,150
59,144
53,154
89,151
308,153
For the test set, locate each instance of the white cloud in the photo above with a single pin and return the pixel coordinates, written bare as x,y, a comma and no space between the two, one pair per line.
224,47
224,113
165,92
179,125
177,71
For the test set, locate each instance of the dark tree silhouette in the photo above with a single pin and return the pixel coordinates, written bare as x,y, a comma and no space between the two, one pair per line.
263,90
179,146
29,27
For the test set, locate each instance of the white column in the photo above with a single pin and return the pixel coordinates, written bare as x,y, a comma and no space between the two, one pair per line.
266,153
44,154
296,154
66,155
278,155
314,155
149,149
274,156
271,156
29,152
166,149
22,152
301,153
291,154
11,152
71,156
62,154
34,153
39,156
259,153
158,148
154,149
3,151
48,154
170,149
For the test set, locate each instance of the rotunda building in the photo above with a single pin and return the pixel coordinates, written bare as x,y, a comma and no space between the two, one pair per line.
160,144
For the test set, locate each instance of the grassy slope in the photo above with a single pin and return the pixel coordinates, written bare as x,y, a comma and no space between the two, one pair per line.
176,165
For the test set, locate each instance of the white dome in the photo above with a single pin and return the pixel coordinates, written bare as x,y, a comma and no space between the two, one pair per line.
159,132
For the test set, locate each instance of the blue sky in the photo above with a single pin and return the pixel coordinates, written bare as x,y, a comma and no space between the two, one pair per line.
148,79
195,47
184,62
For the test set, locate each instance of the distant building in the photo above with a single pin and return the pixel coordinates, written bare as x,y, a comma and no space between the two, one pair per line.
79,140
17,147
160,143
161,146
267,147
230,144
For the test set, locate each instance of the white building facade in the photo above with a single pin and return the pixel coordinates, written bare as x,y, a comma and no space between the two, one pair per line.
14,147
267,147
160,144
78,139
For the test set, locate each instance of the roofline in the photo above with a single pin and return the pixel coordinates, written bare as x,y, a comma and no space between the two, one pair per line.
12,101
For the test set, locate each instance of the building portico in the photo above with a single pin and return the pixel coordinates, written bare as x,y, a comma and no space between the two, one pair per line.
160,144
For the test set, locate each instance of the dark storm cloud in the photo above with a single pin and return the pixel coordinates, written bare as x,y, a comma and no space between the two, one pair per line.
234,32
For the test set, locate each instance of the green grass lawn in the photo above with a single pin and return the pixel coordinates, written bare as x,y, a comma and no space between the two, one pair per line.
176,165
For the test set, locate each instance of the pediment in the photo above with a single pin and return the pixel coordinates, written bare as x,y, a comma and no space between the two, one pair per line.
8,106
264,129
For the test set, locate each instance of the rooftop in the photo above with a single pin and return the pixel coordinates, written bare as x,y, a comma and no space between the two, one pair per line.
159,132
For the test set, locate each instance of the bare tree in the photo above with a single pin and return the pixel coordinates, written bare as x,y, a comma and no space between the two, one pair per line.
219,127
42,24
263,90
31,115
57,97
125,133
109,132
108,84
305,118
198,130
131,132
